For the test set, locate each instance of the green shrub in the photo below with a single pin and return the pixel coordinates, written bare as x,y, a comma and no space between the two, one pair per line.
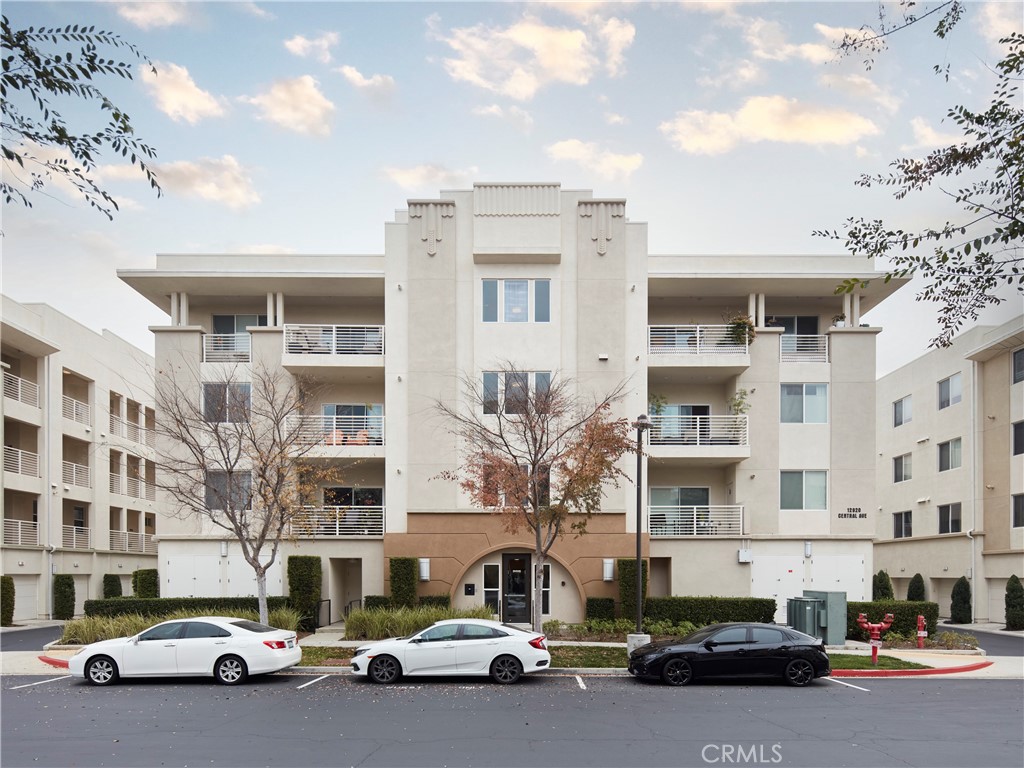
92,629
403,581
436,601
376,602
881,587
601,607
627,586
305,575
111,585
6,601
379,623
960,602
146,583
160,606
915,589
904,613
63,596
1014,602
701,611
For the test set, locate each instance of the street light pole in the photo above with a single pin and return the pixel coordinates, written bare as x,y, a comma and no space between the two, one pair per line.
642,423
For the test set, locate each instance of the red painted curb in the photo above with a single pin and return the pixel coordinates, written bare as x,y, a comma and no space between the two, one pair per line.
54,662
908,672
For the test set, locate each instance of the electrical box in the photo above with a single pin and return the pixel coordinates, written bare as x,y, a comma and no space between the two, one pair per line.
746,556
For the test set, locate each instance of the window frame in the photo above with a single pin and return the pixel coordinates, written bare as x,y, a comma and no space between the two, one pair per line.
495,385
495,300
804,398
804,473
947,511
902,524
952,397
1017,366
906,411
229,404
226,492
905,463
949,454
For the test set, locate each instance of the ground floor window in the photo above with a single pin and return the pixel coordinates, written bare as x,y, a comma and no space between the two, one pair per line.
949,518
1018,510
901,525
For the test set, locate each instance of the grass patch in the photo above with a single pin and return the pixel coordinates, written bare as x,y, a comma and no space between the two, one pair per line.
324,655
851,661
587,656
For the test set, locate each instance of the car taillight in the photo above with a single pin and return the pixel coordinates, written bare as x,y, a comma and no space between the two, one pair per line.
538,643
277,645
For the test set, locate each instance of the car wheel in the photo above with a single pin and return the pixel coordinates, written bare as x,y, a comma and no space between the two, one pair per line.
677,672
230,670
506,670
385,670
101,671
799,672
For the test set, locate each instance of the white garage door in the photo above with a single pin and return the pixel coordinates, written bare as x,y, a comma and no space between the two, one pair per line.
839,573
777,576
191,576
242,580
25,595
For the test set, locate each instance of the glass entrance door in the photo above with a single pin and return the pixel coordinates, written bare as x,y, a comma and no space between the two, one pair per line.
515,597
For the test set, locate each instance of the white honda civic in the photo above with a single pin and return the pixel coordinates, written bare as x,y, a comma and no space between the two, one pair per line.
227,649
456,647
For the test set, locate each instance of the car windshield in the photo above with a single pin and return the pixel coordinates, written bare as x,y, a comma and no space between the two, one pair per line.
252,626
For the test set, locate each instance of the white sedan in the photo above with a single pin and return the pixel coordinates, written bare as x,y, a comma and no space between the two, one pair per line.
456,647
226,648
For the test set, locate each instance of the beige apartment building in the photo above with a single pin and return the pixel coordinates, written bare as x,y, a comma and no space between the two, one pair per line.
950,428
78,471
760,462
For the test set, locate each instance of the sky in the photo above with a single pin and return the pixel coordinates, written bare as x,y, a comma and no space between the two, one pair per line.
731,128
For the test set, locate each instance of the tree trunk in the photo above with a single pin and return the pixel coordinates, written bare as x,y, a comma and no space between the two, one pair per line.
538,582
261,595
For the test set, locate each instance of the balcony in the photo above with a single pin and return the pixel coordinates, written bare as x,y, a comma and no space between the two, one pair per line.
348,431
803,349
335,353
705,440
76,537
227,348
671,522
339,522
21,533
126,541
76,410
696,351
139,489
21,390
130,431
77,474
21,462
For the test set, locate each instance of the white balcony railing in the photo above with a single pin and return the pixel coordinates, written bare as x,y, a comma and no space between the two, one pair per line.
698,430
339,430
803,349
115,483
694,340
140,489
127,541
76,537
20,389
333,339
21,532
696,521
227,348
131,431
76,410
77,474
21,462
339,521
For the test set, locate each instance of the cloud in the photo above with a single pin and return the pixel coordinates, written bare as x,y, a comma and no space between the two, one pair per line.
591,157
224,181
431,177
178,96
515,115
926,137
317,47
862,87
614,119
768,41
377,87
995,21
255,10
153,14
617,36
764,118
734,75
296,104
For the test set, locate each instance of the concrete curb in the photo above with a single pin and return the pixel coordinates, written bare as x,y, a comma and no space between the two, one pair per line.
62,663
909,672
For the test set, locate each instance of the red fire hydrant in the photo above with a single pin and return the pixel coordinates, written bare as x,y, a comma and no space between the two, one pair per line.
922,631
875,632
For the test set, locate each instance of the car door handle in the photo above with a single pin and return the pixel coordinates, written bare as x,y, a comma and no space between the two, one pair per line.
741,652
169,645
783,647
220,642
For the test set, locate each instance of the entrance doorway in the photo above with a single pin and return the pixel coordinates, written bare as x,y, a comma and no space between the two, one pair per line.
515,597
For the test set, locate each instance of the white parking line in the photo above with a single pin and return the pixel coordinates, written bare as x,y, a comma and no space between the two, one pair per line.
317,680
848,685
29,685
580,681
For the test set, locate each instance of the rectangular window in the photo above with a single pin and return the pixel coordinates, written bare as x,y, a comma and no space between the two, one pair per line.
1018,438
1017,513
516,301
490,301
804,403
949,518
806,490
542,301
226,402
230,491
512,390
492,586
902,411
901,525
950,391
949,455
340,496
545,590
901,468
1018,366
237,323
492,392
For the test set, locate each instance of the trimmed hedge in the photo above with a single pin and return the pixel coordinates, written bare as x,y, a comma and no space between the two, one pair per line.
881,587
1014,603
905,613
627,585
7,601
601,608
305,575
146,583
160,606
403,582
371,602
915,589
960,602
63,596
111,586
709,610
436,601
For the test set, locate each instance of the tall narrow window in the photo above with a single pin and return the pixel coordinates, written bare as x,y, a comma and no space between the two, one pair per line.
1018,438
517,301
902,411
949,455
901,525
950,391
1018,366
545,590
490,301
949,518
492,586
492,393
901,468
1017,513
542,301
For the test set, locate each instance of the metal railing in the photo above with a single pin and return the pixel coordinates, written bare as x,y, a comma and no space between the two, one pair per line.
132,431
803,349
21,532
127,541
140,489
21,462
77,474
339,430
339,521
694,340
227,348
333,339
76,537
696,521
115,483
20,389
698,430
76,410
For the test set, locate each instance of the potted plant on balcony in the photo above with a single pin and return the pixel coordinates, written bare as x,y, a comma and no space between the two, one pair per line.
839,321
741,329
738,406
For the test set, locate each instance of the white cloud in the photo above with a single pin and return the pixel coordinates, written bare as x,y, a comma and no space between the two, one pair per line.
377,87
220,180
995,21
515,115
736,74
591,157
430,177
177,95
317,47
617,36
764,118
296,104
926,137
768,41
153,14
614,119
862,87
255,10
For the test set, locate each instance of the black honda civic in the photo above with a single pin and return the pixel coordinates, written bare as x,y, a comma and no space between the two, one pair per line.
733,650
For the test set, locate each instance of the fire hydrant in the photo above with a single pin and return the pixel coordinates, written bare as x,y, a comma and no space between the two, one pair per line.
875,632
922,631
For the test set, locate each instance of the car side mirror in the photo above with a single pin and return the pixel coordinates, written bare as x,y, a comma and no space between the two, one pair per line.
135,640
416,640
710,644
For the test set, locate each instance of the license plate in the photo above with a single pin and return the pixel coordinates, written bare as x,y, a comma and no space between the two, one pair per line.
291,643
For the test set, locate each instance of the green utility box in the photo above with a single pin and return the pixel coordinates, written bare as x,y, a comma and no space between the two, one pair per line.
802,614
831,622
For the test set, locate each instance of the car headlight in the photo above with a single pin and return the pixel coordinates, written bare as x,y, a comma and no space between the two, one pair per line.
359,652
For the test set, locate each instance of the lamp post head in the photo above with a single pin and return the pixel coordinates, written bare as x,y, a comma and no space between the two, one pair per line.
642,422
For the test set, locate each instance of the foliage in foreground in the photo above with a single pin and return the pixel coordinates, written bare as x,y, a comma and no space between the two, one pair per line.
92,629
613,630
950,641
379,624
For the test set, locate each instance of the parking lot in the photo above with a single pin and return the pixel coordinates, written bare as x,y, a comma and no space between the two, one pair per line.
551,719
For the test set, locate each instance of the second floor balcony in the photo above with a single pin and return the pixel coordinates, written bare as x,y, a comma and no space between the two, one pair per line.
21,462
338,431
710,350
76,474
128,541
339,522
704,440
76,410
76,537
227,348
669,522
21,390
333,339
21,533
803,348
132,431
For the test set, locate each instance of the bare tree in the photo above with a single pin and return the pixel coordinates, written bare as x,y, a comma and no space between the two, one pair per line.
235,457
540,459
